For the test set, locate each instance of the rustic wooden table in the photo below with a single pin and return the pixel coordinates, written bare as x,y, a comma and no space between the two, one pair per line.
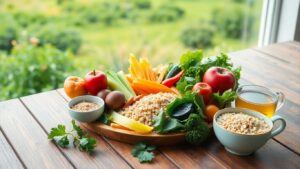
26,121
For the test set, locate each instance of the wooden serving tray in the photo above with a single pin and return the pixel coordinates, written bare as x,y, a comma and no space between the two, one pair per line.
132,137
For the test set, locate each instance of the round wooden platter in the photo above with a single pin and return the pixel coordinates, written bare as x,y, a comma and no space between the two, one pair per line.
132,137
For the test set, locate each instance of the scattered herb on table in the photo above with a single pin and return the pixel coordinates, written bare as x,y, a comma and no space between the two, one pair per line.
143,152
80,140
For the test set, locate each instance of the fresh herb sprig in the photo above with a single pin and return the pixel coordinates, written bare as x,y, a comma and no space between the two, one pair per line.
80,140
143,152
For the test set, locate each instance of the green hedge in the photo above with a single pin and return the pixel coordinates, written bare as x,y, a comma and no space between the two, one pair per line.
8,33
166,13
198,36
31,69
62,38
230,22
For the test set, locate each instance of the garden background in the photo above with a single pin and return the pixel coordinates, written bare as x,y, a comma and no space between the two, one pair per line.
42,42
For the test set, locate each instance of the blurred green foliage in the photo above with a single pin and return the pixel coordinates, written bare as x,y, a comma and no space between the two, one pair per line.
231,22
59,37
8,33
166,13
103,33
30,69
198,36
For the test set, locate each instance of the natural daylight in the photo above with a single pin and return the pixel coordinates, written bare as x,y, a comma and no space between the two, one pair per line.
100,34
162,84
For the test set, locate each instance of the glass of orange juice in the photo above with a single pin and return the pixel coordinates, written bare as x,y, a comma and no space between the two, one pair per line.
260,99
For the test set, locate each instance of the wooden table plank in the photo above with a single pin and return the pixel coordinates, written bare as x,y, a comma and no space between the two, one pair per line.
124,150
288,51
8,159
186,156
28,138
271,155
195,155
50,109
262,73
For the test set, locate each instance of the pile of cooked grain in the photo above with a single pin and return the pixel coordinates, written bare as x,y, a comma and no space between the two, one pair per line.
242,123
148,107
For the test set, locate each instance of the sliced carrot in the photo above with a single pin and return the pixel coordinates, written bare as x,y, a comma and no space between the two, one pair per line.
154,86
118,126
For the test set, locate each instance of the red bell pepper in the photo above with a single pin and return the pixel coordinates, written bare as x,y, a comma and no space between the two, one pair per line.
171,81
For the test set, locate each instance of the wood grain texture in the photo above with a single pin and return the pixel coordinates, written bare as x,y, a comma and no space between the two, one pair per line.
50,110
8,159
124,150
28,138
271,155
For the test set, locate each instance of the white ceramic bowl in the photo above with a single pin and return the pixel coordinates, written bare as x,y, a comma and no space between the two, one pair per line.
88,116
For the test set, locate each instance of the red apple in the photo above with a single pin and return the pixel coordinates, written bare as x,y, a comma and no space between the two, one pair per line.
204,90
220,79
95,81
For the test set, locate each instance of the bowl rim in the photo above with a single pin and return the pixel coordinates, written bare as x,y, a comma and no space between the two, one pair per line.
246,111
99,101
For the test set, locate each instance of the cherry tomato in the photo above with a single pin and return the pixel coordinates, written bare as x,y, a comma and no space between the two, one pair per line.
203,89
210,111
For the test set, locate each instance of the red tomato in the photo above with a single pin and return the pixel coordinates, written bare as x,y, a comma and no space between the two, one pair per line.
203,89
220,79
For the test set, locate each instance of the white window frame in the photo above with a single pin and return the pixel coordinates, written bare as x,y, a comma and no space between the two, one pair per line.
280,21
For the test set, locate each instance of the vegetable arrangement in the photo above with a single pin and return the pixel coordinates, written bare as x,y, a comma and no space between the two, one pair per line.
196,88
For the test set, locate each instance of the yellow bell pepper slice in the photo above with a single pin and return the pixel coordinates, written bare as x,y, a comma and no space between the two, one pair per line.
130,123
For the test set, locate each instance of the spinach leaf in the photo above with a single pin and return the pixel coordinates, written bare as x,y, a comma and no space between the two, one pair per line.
164,124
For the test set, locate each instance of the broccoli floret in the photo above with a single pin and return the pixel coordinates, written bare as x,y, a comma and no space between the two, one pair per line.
196,129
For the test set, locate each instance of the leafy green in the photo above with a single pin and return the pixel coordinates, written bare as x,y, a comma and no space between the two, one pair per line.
143,152
189,97
105,119
196,129
87,144
185,84
164,124
190,58
63,141
222,60
227,97
80,140
79,131
60,130
194,72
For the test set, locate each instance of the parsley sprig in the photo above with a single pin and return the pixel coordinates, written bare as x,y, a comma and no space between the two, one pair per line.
80,140
143,152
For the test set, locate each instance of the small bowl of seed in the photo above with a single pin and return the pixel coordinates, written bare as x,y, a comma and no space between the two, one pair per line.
86,108
243,131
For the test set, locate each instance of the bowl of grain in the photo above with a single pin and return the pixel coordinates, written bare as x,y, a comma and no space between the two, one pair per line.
243,131
86,108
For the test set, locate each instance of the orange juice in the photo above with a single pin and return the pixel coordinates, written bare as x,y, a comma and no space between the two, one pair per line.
258,101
